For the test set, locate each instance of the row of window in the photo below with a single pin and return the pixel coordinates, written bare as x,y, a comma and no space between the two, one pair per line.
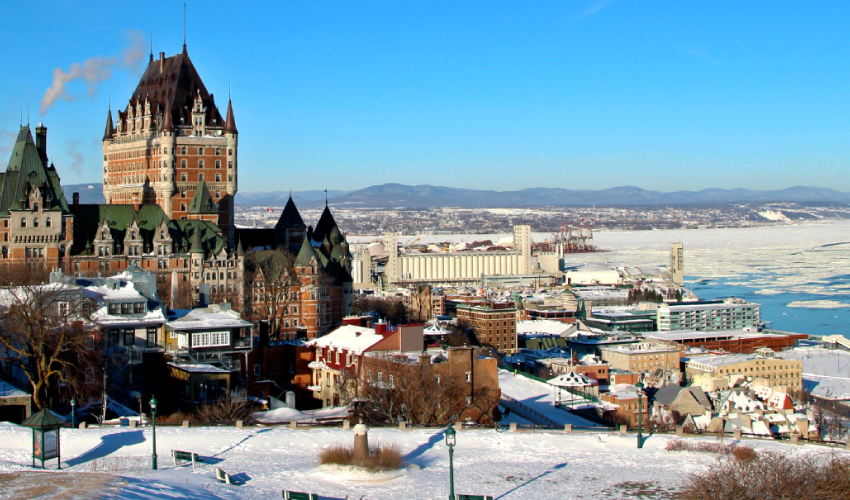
124,155
47,221
126,308
129,335
210,339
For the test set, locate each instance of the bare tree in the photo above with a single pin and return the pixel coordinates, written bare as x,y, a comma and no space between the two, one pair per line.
424,394
46,333
183,295
23,274
274,286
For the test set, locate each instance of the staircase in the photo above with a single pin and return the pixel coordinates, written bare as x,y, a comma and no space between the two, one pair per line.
527,412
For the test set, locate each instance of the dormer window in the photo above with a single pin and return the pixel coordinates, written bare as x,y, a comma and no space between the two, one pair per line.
35,206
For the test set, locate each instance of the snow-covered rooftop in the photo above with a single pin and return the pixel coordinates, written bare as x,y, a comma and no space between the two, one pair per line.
544,326
356,339
197,368
205,318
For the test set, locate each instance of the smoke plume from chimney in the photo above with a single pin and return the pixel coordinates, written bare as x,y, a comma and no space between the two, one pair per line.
93,71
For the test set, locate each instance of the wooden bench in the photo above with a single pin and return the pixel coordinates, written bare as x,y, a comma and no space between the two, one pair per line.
473,497
185,456
297,495
223,476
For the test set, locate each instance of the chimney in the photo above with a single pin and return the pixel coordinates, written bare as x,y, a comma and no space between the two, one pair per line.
161,61
381,328
41,142
76,202
424,359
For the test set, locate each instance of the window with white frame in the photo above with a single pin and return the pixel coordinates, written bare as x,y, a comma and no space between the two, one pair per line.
210,339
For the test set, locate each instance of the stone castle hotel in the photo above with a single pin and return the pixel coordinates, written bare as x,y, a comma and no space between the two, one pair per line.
170,174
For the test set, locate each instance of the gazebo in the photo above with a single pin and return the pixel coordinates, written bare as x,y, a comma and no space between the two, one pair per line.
579,389
45,436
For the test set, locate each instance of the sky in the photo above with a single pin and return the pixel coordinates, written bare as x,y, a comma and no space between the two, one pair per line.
579,94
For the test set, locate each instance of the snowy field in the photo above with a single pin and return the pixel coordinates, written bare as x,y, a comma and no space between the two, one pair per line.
267,460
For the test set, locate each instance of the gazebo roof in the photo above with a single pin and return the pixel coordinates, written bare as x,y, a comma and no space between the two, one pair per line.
44,419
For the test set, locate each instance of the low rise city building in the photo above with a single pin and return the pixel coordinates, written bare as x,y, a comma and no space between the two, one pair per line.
643,357
729,314
494,323
762,368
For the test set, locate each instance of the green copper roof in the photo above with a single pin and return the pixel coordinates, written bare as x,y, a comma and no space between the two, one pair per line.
197,247
26,169
88,219
44,419
202,202
305,255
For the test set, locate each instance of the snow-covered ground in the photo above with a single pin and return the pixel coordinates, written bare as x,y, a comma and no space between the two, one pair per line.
826,372
538,396
267,460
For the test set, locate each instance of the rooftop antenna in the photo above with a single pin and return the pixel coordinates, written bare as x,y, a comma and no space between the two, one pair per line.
326,196
151,45
22,117
184,26
28,116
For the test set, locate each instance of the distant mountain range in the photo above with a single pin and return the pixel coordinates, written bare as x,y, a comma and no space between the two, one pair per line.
426,196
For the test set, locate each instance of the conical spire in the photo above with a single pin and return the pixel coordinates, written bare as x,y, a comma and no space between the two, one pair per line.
110,128
167,122
290,218
240,252
305,255
230,121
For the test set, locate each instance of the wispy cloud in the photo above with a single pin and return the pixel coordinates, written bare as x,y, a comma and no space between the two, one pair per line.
593,9
71,151
94,71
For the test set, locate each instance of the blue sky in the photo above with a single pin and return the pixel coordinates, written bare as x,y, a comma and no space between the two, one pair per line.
492,95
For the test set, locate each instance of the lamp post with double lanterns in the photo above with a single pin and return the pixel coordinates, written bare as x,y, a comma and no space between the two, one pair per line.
639,387
153,420
73,404
451,441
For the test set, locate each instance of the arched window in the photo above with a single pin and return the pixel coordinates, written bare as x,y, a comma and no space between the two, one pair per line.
35,222
230,151
103,235
35,207
183,150
23,222
47,222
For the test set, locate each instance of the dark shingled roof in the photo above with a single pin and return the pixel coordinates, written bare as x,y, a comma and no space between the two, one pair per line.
306,255
290,218
172,90
230,121
326,223
110,128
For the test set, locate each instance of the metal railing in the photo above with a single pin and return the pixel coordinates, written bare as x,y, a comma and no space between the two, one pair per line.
527,412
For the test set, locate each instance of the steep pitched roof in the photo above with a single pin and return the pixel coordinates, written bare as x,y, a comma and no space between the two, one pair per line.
26,169
290,218
305,255
202,202
110,128
326,223
197,247
230,121
173,89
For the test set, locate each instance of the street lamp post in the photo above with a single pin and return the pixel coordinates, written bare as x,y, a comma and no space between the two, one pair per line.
153,419
73,404
450,442
639,386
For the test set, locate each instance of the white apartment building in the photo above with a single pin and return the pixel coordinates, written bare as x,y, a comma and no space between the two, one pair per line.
729,314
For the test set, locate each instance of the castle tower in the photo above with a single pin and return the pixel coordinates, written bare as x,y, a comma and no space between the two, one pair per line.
169,140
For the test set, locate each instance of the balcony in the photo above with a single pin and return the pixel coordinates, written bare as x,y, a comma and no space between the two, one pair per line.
242,343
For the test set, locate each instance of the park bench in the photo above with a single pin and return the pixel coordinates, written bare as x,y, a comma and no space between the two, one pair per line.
185,456
473,497
223,476
297,495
